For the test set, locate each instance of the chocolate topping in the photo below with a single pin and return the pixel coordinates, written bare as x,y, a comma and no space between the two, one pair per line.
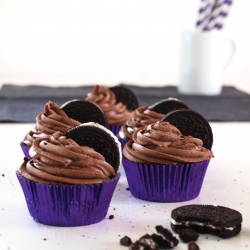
163,143
56,159
116,113
51,120
100,139
192,123
140,117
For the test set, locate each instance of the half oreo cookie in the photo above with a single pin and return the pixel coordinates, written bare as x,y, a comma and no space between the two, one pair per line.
190,122
221,221
100,139
125,96
168,105
84,111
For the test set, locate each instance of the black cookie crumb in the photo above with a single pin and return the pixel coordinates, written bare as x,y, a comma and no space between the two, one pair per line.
126,241
111,217
188,234
193,246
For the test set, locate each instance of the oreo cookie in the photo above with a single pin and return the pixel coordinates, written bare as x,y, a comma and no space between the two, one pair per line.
221,221
168,105
100,139
190,122
84,111
125,96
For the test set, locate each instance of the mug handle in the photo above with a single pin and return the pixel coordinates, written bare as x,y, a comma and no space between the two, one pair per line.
233,49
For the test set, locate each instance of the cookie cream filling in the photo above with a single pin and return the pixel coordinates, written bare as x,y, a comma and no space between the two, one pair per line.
189,223
164,238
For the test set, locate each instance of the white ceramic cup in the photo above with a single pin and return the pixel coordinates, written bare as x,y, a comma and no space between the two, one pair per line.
204,57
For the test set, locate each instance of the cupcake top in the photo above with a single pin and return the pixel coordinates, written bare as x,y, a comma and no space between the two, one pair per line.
163,143
57,159
116,112
140,117
144,116
52,119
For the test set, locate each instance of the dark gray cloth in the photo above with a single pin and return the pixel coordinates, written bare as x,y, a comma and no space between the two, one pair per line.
24,103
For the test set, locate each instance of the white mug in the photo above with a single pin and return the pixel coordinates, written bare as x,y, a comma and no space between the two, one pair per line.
203,61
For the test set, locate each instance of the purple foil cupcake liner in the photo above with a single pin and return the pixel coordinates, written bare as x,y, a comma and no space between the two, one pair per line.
114,129
68,205
25,149
165,183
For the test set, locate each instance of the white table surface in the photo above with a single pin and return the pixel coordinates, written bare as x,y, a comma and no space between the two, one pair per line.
226,183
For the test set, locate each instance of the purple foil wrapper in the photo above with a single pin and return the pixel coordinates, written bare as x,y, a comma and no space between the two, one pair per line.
165,183
68,205
114,129
25,149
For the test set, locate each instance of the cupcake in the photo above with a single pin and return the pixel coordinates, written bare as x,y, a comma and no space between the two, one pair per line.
69,179
117,104
162,164
143,116
55,118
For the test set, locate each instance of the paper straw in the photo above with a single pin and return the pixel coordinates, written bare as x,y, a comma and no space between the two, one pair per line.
204,13
213,14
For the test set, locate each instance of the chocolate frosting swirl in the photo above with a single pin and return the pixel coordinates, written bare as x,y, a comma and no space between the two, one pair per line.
116,113
56,159
163,143
140,117
52,119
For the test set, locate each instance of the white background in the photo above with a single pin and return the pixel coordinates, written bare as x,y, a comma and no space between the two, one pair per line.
77,42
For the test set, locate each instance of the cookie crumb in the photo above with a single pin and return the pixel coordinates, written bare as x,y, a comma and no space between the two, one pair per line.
128,188
193,246
44,239
3,175
125,241
111,217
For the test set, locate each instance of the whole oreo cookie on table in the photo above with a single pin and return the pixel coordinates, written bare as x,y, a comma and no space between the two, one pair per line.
125,96
221,221
192,123
167,105
84,111
100,139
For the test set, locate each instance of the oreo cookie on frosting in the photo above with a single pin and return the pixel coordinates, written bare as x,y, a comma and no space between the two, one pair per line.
100,139
125,96
84,111
221,221
192,123
167,105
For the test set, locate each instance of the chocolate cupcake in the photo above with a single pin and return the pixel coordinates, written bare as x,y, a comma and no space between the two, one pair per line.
116,102
163,165
55,118
69,181
143,116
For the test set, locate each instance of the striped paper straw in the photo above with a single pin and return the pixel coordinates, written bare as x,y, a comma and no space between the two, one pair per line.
204,13
218,11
